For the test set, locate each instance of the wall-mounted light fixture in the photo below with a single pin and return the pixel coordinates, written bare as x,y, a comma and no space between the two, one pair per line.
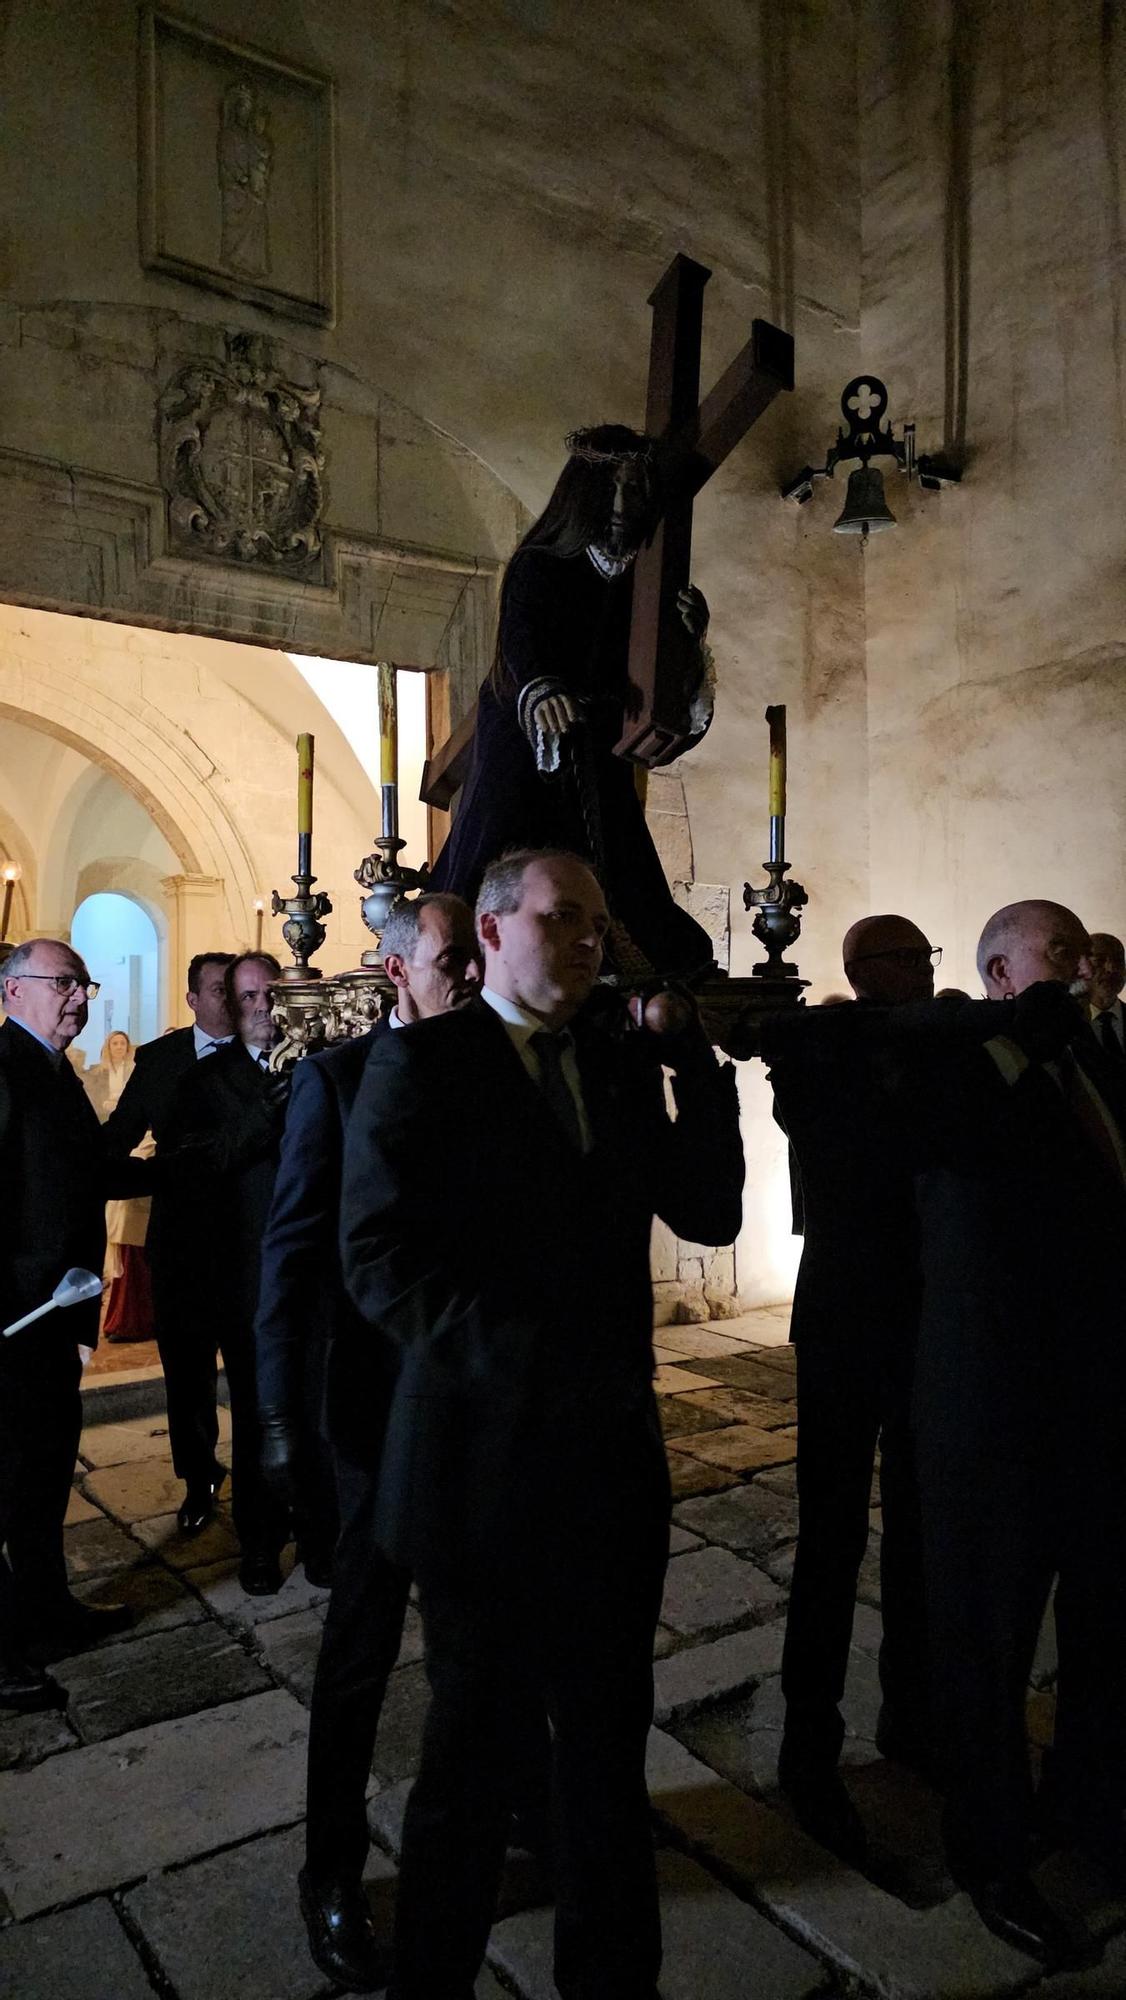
11,875
864,436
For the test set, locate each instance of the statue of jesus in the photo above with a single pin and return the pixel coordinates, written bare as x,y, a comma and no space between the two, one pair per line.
543,772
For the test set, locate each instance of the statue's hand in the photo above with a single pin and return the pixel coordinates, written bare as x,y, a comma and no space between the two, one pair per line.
693,608
555,714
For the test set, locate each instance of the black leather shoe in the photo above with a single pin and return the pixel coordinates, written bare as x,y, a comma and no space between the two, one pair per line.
823,1809
317,1567
26,1690
195,1510
75,1626
342,1937
260,1574
1015,1911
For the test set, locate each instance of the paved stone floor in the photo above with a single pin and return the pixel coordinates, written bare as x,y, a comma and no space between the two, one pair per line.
149,1838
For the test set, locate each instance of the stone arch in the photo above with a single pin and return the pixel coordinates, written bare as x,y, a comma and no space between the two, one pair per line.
158,764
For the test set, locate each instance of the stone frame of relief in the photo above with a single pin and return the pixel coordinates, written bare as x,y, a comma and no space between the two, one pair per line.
237,182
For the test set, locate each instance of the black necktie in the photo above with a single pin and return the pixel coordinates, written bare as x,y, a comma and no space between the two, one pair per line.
1108,1038
549,1050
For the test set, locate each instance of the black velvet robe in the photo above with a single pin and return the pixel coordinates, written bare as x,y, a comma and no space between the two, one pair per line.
562,618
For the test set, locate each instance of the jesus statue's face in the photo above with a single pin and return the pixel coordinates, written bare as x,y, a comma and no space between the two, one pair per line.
629,506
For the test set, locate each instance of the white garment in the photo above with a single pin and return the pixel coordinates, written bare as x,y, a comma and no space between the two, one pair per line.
206,1045
521,1026
1115,1010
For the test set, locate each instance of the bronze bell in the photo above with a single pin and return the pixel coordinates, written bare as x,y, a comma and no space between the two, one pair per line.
865,510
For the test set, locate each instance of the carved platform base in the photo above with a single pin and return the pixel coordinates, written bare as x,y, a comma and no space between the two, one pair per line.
730,1009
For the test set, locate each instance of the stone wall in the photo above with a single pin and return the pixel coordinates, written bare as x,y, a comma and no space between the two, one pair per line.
993,192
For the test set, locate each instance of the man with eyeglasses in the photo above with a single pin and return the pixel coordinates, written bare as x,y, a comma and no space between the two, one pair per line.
855,1317
56,1180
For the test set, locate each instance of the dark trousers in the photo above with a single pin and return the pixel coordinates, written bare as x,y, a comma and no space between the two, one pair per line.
261,1523
40,1425
853,1395
185,1336
362,1633
996,1531
569,1623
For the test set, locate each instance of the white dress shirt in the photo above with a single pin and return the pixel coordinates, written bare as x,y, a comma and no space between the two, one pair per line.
206,1045
521,1026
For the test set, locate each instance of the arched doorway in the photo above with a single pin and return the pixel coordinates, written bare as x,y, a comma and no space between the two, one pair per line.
118,940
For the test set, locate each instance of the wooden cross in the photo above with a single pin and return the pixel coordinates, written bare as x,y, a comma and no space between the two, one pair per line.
697,437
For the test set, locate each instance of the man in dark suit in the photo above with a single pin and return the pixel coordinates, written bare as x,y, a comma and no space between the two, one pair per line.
1020,1400
854,1324
1108,977
313,1347
226,1123
502,1168
186,1354
56,1181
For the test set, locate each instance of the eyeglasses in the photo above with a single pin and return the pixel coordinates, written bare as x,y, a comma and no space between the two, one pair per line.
906,954
64,983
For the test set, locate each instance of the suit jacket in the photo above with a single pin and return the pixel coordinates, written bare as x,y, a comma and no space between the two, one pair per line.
56,1179
302,1303
512,1271
1023,1224
144,1106
222,1138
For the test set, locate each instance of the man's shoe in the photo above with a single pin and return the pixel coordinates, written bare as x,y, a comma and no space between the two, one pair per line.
342,1937
75,1626
260,1574
198,1505
27,1690
317,1566
1015,1911
823,1809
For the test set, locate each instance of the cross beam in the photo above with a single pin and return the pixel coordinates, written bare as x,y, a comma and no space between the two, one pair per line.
697,437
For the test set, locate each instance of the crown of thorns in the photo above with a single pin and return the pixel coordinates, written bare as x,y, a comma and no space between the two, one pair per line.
608,444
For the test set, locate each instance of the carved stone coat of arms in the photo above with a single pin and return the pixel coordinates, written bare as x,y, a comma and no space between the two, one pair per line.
241,464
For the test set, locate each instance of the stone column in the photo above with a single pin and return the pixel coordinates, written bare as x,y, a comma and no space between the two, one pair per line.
195,923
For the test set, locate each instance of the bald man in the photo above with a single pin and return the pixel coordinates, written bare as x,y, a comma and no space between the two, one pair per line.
855,1315
1020,1434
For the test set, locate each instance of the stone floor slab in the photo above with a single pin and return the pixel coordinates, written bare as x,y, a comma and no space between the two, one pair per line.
218,1585
708,1673
780,1479
27,1739
741,1448
680,1541
127,1443
137,1490
701,1342
748,1371
690,1476
671,1378
78,1508
715,1947
232,1925
748,1519
154,1594
711,1590
111,1813
399,1738
290,1646
152,1679
901,1954
95,1547
79,1954
216,1543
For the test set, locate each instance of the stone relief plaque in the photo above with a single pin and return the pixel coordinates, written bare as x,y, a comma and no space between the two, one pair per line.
237,170
241,462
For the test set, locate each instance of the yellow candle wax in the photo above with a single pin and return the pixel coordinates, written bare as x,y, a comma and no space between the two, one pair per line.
388,726
304,784
776,717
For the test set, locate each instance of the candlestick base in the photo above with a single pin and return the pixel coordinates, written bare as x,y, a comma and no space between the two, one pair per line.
777,924
303,930
385,880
